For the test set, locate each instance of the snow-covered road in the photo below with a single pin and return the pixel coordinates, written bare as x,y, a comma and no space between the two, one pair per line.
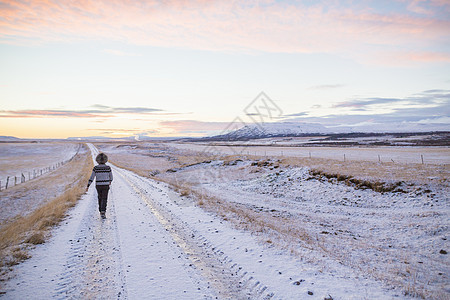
155,244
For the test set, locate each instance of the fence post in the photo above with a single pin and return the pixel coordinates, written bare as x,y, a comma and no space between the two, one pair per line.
379,158
7,182
421,156
15,180
22,179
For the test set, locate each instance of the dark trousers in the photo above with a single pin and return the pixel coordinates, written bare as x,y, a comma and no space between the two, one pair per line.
102,191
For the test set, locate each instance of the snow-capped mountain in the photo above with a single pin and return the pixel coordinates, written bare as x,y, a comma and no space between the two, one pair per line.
291,129
256,131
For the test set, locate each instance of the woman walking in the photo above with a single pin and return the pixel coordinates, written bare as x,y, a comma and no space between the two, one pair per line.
104,177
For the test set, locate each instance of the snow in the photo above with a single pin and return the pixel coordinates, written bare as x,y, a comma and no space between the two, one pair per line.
404,155
24,198
18,158
395,237
298,128
156,244
128,255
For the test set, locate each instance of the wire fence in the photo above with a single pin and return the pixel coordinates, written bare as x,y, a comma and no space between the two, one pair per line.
345,157
25,176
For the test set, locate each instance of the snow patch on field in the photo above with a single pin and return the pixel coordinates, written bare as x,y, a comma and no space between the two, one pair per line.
23,158
395,237
325,238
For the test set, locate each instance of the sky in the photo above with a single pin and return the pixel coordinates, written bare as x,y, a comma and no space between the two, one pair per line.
193,68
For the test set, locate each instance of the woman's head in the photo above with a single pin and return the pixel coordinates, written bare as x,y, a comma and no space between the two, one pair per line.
101,158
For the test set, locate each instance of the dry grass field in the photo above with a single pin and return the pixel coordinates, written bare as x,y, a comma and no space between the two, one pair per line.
374,171
18,158
36,206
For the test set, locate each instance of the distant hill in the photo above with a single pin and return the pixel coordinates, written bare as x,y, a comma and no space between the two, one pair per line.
89,138
127,138
8,138
296,129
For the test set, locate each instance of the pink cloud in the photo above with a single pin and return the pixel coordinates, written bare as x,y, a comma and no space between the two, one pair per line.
234,25
119,52
347,104
426,7
96,111
48,113
415,6
192,125
403,58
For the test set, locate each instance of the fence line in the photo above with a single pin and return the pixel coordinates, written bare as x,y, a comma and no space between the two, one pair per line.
35,173
346,157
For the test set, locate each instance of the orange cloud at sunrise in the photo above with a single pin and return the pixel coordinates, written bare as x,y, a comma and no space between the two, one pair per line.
189,68
274,26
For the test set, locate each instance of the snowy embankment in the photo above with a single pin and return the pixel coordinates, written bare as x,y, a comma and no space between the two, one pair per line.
155,244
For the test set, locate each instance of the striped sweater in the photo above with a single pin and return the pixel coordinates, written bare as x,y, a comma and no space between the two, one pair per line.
103,174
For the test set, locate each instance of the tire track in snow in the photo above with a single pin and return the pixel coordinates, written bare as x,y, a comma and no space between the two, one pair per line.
141,251
228,279
82,260
93,266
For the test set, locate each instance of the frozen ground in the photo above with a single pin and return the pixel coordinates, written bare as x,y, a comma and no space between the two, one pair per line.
155,244
18,158
22,199
342,140
396,237
404,155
